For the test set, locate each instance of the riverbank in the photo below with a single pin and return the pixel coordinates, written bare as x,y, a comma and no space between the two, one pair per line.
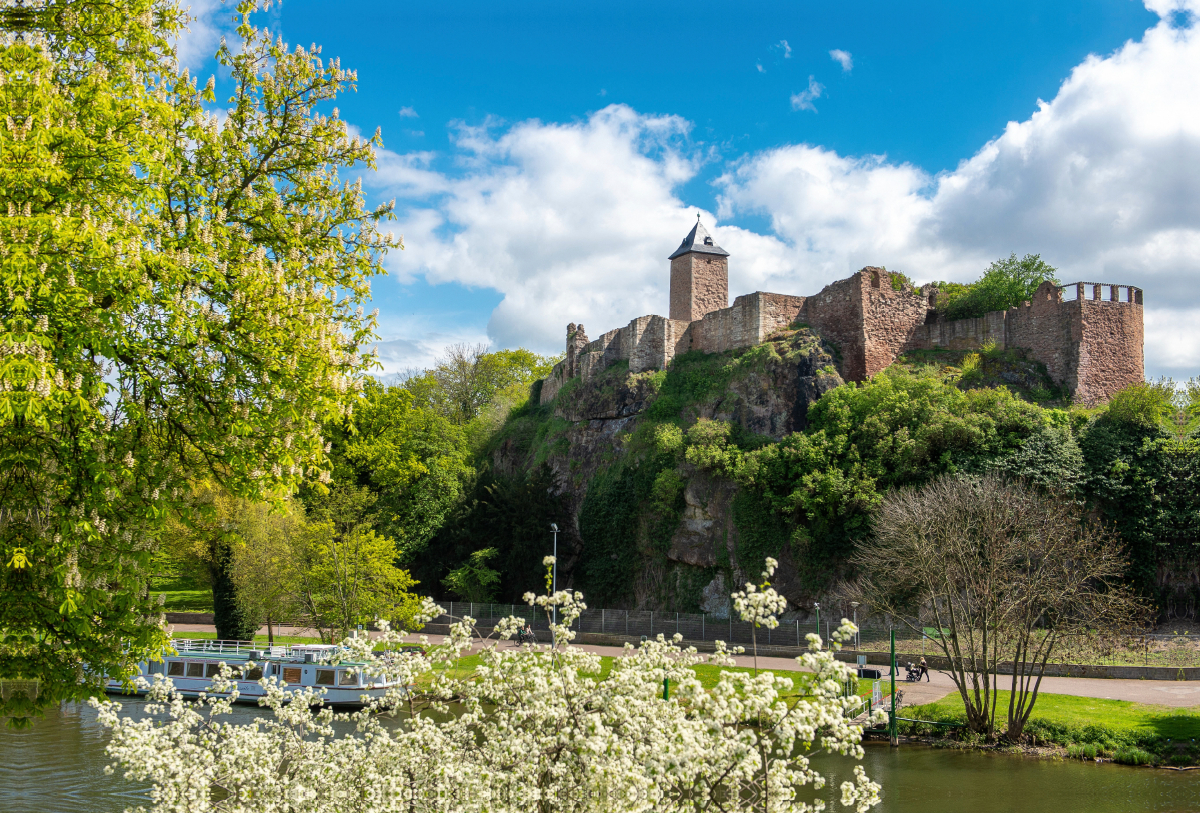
1083,728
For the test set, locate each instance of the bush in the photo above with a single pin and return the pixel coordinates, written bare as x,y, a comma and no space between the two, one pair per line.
1006,284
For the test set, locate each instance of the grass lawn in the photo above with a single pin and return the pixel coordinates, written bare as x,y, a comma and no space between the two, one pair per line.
1068,711
187,601
1088,728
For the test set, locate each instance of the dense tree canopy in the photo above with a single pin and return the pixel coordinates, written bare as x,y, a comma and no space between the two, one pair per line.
1005,284
181,293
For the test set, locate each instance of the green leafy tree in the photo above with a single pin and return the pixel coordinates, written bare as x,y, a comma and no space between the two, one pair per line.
1005,284
263,567
467,378
413,458
181,293
201,537
474,580
344,573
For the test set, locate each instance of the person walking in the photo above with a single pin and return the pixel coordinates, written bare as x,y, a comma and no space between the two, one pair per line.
924,670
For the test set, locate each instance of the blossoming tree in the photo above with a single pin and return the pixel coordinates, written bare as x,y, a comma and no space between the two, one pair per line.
181,291
531,728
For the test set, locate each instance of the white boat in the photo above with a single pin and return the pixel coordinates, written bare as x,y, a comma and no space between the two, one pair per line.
197,661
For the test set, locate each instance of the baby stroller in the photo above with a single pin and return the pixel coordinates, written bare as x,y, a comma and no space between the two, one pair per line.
912,673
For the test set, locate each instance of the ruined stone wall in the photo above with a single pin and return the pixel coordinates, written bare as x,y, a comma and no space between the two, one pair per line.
1088,335
1048,330
699,285
1089,340
747,322
836,314
960,334
889,318
659,342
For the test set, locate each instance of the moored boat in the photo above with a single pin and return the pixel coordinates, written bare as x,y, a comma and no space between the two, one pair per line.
300,666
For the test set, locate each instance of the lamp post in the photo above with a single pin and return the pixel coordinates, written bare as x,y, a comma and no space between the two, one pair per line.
554,575
817,607
857,642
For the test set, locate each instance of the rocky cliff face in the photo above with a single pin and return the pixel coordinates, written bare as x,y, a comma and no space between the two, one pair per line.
668,528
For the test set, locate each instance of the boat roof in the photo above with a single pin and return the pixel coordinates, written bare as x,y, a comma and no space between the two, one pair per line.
247,651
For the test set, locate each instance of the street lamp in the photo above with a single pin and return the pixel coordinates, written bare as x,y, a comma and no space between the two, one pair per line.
817,607
857,642
554,576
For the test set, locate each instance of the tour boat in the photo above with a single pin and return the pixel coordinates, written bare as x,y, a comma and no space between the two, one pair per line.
197,661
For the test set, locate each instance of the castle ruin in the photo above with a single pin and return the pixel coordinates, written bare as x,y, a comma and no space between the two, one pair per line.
1088,335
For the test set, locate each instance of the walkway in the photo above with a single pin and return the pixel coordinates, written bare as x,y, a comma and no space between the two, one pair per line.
1176,694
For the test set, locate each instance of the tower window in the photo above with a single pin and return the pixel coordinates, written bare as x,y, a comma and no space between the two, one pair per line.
708,241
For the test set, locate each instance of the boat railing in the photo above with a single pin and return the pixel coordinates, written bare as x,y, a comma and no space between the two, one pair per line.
209,646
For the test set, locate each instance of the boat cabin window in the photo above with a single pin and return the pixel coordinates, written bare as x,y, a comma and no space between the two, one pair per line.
324,677
175,668
212,669
254,674
291,674
347,678
195,669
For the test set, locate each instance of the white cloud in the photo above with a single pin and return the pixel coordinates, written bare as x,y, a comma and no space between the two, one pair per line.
843,58
573,222
761,69
198,43
783,47
407,113
805,98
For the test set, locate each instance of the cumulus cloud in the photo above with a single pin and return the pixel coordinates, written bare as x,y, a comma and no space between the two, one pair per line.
573,222
407,113
805,98
199,41
843,58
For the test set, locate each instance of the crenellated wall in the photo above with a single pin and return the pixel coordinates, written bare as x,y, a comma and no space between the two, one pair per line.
1088,335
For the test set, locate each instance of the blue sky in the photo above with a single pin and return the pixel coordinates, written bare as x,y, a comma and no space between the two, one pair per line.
547,157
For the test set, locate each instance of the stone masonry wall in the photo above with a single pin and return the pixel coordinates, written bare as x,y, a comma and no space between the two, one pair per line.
1111,340
699,285
747,322
836,314
1090,342
889,317
960,334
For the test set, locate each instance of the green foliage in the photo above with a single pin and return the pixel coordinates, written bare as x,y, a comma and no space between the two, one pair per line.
761,531
415,460
1146,482
181,297
1050,459
467,378
343,572
1143,404
510,513
474,580
1005,284
692,377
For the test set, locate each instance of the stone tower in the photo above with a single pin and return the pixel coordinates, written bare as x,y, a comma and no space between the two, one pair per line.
699,276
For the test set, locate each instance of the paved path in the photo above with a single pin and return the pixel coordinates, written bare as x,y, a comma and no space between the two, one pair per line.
1176,694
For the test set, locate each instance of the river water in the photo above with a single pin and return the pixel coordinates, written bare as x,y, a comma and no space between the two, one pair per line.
58,767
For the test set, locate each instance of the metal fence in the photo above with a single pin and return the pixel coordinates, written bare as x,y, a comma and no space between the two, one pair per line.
636,623
1146,649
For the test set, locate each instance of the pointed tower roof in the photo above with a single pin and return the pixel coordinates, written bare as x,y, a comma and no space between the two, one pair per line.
699,241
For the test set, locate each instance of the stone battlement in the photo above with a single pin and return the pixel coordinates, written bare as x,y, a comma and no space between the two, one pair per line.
1089,335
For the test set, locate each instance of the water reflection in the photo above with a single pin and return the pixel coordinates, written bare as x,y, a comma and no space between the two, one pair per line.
58,765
